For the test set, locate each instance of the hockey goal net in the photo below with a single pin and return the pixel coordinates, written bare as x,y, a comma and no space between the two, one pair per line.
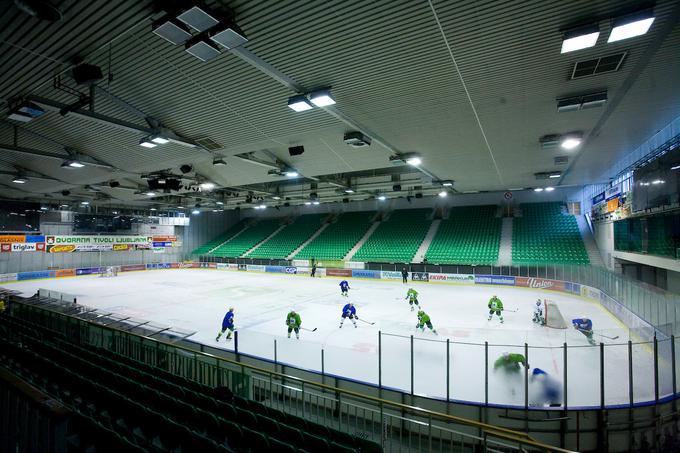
108,271
553,316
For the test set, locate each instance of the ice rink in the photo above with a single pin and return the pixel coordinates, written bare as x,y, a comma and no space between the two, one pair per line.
197,299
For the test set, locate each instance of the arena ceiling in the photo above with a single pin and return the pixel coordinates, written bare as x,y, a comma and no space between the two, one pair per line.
471,86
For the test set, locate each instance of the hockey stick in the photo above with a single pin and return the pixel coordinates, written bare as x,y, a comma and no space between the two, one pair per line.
605,336
308,330
511,311
371,323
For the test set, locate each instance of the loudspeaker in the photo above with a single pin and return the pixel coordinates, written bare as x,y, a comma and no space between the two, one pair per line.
114,184
87,74
396,187
296,150
419,195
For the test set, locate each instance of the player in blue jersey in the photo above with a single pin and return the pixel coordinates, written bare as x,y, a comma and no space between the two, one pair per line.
585,326
550,393
227,324
348,311
344,287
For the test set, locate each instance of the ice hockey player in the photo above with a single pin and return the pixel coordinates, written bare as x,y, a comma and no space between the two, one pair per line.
585,326
348,311
510,362
495,307
293,322
227,324
538,313
412,296
551,389
344,287
424,320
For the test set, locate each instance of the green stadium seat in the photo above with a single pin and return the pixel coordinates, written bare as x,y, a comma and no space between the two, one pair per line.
338,238
289,238
398,238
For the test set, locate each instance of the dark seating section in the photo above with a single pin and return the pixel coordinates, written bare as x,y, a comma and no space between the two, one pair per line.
125,405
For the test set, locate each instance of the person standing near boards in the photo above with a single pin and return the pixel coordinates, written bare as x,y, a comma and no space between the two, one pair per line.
404,275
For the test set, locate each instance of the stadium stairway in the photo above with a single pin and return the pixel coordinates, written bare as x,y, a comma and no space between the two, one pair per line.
276,231
361,242
505,249
422,250
594,254
310,239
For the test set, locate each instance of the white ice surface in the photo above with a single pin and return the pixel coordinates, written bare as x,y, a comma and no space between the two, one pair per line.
196,300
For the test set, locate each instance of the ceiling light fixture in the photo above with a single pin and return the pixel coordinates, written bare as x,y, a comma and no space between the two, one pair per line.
219,161
443,194
580,38
630,26
447,183
72,164
147,143
307,203
675,167
153,209
538,189
150,194
415,161
321,97
19,180
549,189
291,173
171,30
570,141
299,103
349,190
200,48
229,37
382,198
207,186
555,175
219,203
158,139
198,19
276,197
315,203
85,203
195,212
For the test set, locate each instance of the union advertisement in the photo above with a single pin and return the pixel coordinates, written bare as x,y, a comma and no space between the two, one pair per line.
540,283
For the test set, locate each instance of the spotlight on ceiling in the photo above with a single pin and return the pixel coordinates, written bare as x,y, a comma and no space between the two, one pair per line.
580,38
299,103
19,179
158,139
316,203
413,160
219,161
291,173
632,25
229,37
276,197
147,143
72,164
198,19
443,194
186,168
200,48
207,186
25,112
382,198
150,194
322,97
195,211
447,183
538,189
171,30
570,141
85,203
549,189
348,190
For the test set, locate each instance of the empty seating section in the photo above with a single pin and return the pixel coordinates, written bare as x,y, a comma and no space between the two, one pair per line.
288,239
628,235
338,238
205,248
471,235
248,239
398,238
543,234
120,404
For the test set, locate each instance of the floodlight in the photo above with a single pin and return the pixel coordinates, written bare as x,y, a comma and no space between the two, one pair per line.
201,49
207,186
292,173
150,194
630,26
443,194
19,180
382,198
229,37
321,98
147,143
84,203
349,191
555,175
570,142
72,164
198,19
580,38
276,197
315,203
549,189
220,203
415,161
299,103
538,189
172,31
307,203
195,212
159,139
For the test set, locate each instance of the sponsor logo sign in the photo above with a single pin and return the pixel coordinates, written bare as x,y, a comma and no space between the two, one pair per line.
232,266
390,275
35,239
5,247
256,267
175,265
598,198
87,270
291,270
132,267
540,283
161,244
96,240
573,288
360,273
300,263
22,247
212,265
242,267
420,276
34,275
61,248
8,238
452,278
276,269
612,192
494,280
164,239
339,272
65,273
8,277
121,247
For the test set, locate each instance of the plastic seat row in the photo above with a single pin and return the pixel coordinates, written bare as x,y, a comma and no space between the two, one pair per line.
248,239
205,248
289,238
338,238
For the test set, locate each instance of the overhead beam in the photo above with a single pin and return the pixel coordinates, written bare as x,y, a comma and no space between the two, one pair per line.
84,158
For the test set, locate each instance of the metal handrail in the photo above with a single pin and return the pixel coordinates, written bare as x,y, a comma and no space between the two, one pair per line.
496,431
